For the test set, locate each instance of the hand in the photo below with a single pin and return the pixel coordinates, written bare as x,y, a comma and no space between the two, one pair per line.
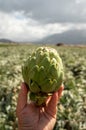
32,117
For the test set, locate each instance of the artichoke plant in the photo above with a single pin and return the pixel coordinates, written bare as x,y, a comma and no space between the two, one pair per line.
43,73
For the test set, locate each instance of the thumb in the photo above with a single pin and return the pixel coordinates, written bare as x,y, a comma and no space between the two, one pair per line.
51,108
22,98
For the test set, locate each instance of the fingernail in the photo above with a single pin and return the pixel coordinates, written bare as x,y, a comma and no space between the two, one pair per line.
62,87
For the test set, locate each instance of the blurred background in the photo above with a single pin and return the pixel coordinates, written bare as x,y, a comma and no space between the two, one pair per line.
26,25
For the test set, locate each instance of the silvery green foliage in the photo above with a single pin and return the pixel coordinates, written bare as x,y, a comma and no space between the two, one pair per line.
43,73
72,105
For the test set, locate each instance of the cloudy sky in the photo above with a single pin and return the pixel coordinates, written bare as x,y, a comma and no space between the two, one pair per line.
31,20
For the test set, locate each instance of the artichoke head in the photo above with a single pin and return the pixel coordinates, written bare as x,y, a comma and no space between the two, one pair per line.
43,73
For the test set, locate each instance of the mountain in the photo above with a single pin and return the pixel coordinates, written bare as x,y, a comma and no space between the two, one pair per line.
5,40
68,37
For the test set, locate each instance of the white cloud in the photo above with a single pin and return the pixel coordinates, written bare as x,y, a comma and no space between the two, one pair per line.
17,26
80,1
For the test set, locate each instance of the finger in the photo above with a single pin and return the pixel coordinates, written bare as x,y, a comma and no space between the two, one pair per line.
60,91
22,98
51,108
55,98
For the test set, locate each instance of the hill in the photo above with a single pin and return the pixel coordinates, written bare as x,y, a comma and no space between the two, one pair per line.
6,40
68,37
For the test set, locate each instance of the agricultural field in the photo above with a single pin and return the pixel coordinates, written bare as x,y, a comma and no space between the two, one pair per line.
72,106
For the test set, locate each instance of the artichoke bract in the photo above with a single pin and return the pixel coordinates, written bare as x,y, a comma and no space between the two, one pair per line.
43,73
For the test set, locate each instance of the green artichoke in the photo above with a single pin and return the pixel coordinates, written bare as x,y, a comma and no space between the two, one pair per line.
43,73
